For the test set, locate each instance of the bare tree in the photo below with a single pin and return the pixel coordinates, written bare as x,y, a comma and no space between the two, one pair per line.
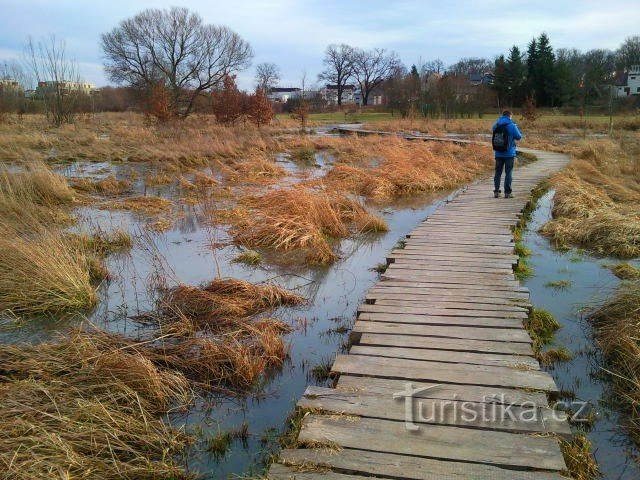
372,68
339,65
467,66
433,66
57,77
629,52
267,76
176,48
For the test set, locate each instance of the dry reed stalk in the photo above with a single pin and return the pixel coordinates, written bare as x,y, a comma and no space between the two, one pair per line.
408,168
300,218
593,213
87,406
109,185
222,302
148,204
617,324
43,273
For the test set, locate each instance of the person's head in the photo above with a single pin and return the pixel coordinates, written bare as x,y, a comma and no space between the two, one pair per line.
506,113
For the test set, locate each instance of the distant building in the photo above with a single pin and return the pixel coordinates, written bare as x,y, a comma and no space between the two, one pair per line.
627,84
485,78
66,87
9,85
330,94
282,94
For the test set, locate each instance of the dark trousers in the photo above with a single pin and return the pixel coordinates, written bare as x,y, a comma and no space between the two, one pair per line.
505,164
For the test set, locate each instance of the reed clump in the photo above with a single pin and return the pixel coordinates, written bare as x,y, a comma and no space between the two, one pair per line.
107,186
222,302
625,271
35,192
617,325
578,456
143,204
85,407
595,211
408,168
305,220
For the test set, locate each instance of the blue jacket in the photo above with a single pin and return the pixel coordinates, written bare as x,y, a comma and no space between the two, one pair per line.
514,134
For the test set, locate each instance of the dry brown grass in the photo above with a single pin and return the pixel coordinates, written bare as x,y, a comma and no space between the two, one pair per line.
149,205
85,407
617,325
597,200
303,219
407,168
108,186
222,302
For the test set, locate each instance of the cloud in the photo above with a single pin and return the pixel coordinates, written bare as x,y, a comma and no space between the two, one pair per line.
295,33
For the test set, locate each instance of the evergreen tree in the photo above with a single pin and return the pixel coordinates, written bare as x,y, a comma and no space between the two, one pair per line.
501,82
532,60
544,68
516,76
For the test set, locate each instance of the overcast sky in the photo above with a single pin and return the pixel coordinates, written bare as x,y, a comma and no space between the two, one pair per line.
294,34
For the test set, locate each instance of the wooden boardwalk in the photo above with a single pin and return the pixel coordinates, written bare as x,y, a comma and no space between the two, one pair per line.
447,319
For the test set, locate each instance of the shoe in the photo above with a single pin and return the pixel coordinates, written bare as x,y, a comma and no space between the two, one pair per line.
508,195
496,194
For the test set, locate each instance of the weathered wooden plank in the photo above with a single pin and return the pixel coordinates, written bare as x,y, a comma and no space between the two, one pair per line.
440,290
492,334
402,262
447,356
436,296
446,312
402,466
483,415
442,343
278,471
427,303
495,334
444,391
515,288
437,276
466,374
434,441
413,319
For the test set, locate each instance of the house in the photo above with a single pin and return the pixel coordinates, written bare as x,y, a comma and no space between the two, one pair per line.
282,94
330,94
485,78
627,84
9,85
65,87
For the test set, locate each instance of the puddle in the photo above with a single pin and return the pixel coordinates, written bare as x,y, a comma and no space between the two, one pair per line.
591,283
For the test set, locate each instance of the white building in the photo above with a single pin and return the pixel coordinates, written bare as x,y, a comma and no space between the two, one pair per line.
330,94
628,84
282,94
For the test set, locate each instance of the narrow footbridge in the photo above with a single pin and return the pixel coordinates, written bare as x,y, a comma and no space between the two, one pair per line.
441,381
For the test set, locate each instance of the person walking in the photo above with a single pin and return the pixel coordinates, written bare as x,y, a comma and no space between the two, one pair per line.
505,134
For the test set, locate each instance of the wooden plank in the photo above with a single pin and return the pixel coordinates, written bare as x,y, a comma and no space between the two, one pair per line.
439,302
281,472
378,294
444,291
434,441
425,330
468,279
402,466
475,322
447,356
437,412
441,343
516,288
400,310
407,264
467,374
444,391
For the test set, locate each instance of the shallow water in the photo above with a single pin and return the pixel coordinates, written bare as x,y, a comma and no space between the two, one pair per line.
192,252
591,283
334,293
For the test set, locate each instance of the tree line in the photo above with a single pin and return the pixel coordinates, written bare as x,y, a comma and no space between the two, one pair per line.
170,63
